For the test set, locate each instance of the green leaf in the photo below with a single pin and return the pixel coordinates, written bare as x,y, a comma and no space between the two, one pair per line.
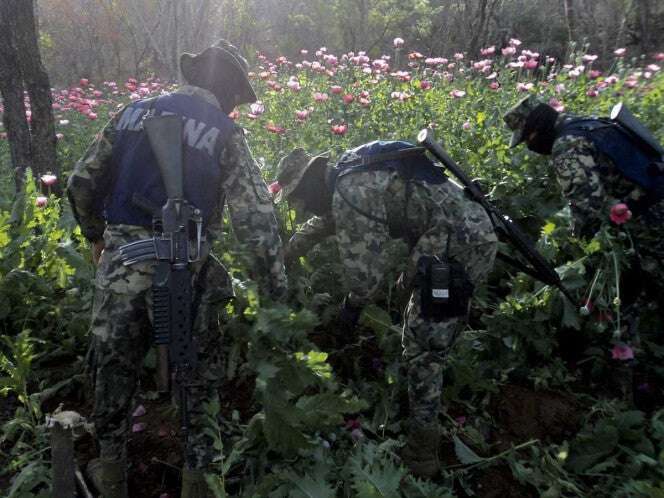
308,487
589,448
464,453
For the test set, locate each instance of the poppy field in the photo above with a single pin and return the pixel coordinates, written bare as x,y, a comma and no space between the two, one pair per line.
543,397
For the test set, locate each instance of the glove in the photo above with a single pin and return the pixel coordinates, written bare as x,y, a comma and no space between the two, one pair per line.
349,315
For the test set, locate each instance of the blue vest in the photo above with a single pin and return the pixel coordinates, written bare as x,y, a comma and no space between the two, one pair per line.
383,155
205,131
634,161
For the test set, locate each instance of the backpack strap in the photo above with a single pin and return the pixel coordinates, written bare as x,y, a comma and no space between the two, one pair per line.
362,163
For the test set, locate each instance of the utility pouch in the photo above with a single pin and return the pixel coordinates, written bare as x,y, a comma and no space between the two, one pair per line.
445,288
440,283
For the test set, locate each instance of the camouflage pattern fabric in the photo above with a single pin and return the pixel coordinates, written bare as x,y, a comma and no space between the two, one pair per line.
250,204
121,337
441,221
312,232
592,184
120,330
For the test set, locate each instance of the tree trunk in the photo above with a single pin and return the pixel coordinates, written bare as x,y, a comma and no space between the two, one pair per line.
478,31
643,23
34,145
570,19
11,87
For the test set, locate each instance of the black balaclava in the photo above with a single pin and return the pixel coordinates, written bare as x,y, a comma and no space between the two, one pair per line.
542,122
313,192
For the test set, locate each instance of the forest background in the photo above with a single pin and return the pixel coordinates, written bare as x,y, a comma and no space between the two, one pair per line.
536,390
115,39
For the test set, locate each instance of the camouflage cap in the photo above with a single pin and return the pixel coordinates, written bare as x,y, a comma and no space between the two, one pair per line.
220,58
292,168
516,117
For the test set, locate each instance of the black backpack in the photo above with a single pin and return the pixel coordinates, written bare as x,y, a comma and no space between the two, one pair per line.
628,144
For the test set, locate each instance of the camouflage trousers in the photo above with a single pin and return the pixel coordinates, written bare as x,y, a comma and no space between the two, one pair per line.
121,335
444,223
427,343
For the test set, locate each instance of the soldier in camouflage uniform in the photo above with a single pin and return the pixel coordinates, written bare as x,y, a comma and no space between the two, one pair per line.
121,331
362,212
590,181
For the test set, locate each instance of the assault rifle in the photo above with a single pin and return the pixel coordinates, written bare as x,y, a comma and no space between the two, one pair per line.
506,228
170,247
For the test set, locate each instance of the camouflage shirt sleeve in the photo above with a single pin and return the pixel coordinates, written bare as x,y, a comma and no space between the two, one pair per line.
579,178
314,231
90,182
252,214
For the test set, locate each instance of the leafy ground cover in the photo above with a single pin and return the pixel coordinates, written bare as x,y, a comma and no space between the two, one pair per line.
537,396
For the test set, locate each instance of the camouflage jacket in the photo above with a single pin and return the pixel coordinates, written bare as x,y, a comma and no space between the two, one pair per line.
420,216
592,184
243,189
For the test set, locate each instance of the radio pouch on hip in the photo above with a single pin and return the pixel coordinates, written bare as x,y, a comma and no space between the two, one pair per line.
445,288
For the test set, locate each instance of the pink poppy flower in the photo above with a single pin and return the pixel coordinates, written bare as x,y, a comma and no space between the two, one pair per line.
556,104
620,213
49,179
398,42
622,352
139,411
466,125
415,56
274,188
353,423
457,94
339,129
92,116
138,427
257,108
494,85
530,64
659,56
619,52
348,98
515,42
41,201
84,82
592,92
234,115
272,128
488,51
589,58
336,89
425,85
59,136
294,85
302,115
508,51
320,97
653,67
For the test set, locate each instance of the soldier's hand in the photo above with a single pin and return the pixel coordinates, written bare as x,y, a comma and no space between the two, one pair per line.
97,249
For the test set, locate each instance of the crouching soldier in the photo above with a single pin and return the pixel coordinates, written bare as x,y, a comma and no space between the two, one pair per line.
378,192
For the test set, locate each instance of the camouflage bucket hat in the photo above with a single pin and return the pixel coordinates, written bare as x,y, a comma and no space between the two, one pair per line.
292,168
516,118
221,58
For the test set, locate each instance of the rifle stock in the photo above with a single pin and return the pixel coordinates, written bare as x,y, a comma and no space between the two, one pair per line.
165,136
540,268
